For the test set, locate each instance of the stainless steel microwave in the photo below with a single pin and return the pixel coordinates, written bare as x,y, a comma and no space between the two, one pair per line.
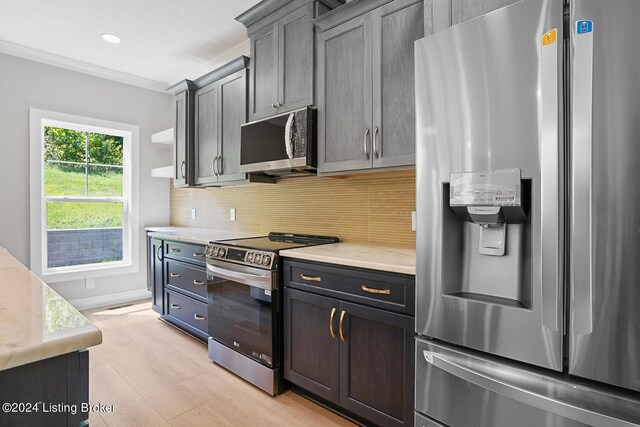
280,145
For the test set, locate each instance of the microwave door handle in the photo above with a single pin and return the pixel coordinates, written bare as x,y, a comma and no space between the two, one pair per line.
288,136
262,282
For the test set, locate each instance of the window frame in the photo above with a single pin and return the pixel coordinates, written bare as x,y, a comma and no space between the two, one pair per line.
130,262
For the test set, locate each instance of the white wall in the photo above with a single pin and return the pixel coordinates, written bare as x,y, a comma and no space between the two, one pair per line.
26,84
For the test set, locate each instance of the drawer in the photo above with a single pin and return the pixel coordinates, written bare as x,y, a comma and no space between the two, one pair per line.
185,252
390,291
187,278
187,310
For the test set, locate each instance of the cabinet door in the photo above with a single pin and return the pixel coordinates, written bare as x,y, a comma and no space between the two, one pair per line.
463,10
156,281
232,113
376,364
182,110
311,346
395,26
295,59
264,72
206,134
344,96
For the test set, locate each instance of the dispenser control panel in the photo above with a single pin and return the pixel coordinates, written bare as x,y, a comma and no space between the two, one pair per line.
486,188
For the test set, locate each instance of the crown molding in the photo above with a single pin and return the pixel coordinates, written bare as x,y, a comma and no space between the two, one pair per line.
79,66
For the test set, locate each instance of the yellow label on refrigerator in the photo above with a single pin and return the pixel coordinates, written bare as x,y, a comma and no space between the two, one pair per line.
549,37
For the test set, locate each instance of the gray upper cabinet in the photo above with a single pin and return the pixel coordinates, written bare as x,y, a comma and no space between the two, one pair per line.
344,96
232,96
264,72
365,84
206,135
463,10
395,28
295,59
183,106
208,114
282,54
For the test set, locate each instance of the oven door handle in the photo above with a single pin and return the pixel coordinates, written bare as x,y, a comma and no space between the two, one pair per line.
254,280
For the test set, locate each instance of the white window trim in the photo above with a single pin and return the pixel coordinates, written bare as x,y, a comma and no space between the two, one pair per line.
38,219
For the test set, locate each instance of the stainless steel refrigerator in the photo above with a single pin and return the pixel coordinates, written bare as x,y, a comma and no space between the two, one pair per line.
528,233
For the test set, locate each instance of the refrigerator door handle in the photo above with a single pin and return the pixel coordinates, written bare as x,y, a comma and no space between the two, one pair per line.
485,379
550,271
581,182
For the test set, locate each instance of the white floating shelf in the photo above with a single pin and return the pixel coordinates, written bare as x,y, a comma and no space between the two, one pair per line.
164,137
163,172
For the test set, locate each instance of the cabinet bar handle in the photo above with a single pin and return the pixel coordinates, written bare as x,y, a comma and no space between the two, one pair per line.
342,337
182,169
198,254
158,253
311,278
375,142
220,166
376,291
215,164
333,312
366,151
174,275
175,250
175,306
198,317
199,283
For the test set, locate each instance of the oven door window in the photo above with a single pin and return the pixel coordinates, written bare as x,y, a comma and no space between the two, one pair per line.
241,317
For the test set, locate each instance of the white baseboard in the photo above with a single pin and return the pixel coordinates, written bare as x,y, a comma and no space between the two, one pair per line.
110,299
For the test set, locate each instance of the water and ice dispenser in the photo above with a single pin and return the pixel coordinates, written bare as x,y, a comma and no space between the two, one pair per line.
487,236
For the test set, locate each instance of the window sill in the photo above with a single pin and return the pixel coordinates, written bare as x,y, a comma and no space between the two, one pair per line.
62,274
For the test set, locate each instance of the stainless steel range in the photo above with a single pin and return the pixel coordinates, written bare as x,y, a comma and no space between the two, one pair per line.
245,317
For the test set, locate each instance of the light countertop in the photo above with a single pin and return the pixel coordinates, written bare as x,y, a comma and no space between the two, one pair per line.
198,236
35,322
374,257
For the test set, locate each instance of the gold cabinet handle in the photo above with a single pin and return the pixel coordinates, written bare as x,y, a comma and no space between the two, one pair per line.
198,317
311,278
376,291
199,282
174,275
333,312
342,337
198,254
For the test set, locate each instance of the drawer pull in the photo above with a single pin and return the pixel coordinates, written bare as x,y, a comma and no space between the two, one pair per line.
311,278
342,337
174,275
198,317
198,254
175,306
175,250
199,283
376,291
333,312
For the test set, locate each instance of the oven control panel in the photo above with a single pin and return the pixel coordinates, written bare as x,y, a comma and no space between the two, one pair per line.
241,256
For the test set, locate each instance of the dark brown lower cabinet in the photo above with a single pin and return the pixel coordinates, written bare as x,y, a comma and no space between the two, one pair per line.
357,357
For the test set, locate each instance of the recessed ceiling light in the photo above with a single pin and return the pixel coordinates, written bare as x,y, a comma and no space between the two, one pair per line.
111,38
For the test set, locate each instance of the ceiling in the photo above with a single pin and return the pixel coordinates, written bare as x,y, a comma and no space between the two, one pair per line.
163,41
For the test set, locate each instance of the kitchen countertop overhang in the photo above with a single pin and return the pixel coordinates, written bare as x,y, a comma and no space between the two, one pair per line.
35,322
198,236
373,257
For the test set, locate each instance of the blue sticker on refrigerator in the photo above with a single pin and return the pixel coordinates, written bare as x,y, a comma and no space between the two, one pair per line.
584,27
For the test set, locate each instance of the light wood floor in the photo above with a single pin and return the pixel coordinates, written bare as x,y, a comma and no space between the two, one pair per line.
157,376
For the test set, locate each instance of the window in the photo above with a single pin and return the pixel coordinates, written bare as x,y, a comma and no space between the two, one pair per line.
84,215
